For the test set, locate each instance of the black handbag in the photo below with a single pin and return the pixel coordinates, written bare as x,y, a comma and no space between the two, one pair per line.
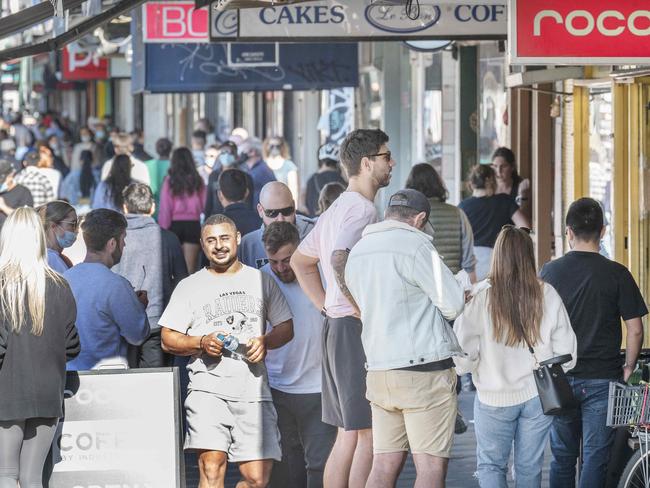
555,393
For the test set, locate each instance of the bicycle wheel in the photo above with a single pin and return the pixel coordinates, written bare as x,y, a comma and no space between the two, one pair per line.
635,474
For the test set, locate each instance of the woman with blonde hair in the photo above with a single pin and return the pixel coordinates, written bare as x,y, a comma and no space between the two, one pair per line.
37,320
513,312
61,227
275,152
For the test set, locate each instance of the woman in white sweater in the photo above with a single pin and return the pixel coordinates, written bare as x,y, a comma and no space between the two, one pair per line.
513,307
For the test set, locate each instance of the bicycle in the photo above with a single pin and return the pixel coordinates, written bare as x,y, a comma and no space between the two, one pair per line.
629,406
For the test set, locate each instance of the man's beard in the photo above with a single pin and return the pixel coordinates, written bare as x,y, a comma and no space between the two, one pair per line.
286,277
116,255
223,265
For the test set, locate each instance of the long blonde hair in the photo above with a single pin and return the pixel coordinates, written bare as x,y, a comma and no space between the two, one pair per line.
24,270
515,295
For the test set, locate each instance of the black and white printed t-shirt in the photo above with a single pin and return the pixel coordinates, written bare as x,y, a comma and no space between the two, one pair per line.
239,304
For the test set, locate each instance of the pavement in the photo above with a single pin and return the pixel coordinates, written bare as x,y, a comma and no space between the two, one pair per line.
461,466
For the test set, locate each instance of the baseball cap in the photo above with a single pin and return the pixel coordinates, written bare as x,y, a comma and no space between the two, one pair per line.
412,199
329,150
6,168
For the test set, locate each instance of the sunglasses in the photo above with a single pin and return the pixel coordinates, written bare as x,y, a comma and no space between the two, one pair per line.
274,212
387,154
73,223
524,229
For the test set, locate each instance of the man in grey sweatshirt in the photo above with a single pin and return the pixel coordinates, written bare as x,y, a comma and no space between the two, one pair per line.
152,261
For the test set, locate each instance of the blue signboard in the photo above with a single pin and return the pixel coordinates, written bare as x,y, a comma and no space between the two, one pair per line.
179,68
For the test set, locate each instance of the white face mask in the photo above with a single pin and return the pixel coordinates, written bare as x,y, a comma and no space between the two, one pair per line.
86,138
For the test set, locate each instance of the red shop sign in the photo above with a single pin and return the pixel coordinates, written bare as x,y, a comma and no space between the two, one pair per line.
169,22
80,66
579,32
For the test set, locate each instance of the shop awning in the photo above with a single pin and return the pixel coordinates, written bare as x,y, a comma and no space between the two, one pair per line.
28,17
73,34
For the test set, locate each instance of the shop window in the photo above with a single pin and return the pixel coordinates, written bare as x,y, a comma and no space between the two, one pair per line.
492,101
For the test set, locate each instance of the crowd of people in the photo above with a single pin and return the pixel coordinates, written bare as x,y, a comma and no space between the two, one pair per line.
320,342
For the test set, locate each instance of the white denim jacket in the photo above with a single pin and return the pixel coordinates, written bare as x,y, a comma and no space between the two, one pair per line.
405,292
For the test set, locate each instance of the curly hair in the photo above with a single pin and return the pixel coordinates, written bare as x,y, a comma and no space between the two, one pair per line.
184,179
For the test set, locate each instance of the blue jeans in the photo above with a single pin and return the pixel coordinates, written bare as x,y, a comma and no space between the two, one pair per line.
496,430
586,425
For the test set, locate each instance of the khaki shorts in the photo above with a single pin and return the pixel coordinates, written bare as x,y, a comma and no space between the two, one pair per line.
415,409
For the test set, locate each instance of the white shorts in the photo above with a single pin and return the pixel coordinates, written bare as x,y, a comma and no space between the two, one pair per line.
246,431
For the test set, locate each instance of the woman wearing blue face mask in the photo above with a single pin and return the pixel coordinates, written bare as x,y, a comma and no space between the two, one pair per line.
224,157
60,223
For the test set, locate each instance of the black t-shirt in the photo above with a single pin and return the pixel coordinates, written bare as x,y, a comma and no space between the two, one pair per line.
597,293
18,196
488,215
315,184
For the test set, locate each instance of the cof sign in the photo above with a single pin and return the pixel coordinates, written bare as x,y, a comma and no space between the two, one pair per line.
361,20
80,66
579,32
169,22
121,428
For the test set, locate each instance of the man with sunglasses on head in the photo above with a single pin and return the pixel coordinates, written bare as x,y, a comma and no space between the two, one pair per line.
276,205
368,162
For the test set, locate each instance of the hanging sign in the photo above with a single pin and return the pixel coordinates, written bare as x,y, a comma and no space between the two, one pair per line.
169,22
361,20
579,32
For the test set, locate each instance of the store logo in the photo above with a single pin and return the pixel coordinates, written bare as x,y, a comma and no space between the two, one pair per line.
580,23
225,23
392,18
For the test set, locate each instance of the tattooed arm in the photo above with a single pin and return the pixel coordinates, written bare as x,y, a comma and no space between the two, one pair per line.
339,260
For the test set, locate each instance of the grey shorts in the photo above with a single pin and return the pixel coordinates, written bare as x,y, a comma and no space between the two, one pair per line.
246,431
344,375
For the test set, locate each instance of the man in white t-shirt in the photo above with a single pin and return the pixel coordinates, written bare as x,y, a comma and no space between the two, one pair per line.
295,372
124,145
229,408
368,163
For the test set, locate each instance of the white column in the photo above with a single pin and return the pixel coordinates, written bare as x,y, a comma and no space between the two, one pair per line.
155,121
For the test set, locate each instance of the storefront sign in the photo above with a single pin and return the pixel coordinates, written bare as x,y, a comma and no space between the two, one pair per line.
359,20
175,22
253,55
120,429
78,66
190,68
579,32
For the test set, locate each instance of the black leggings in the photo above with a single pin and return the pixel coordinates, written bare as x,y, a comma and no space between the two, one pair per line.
24,446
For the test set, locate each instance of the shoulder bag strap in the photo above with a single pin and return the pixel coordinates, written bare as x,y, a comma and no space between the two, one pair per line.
532,351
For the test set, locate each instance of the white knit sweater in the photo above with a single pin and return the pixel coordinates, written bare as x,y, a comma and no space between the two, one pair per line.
503,375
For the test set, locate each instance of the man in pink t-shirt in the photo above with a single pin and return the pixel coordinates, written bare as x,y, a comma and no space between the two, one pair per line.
368,162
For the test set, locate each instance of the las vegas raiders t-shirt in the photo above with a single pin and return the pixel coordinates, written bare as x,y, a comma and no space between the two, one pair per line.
239,304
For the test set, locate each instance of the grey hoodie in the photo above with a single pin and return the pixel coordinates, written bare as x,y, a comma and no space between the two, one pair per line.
142,262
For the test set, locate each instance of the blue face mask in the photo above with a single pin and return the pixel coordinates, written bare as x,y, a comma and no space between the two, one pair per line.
4,187
67,239
226,159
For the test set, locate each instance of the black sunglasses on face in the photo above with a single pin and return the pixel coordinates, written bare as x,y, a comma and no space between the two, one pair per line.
274,212
387,154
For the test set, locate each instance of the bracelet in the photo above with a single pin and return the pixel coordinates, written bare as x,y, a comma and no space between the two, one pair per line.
201,342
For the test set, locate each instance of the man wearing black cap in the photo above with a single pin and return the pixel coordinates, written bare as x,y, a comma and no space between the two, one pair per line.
12,195
405,292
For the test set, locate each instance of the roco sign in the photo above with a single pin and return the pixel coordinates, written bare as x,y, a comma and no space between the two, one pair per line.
579,32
